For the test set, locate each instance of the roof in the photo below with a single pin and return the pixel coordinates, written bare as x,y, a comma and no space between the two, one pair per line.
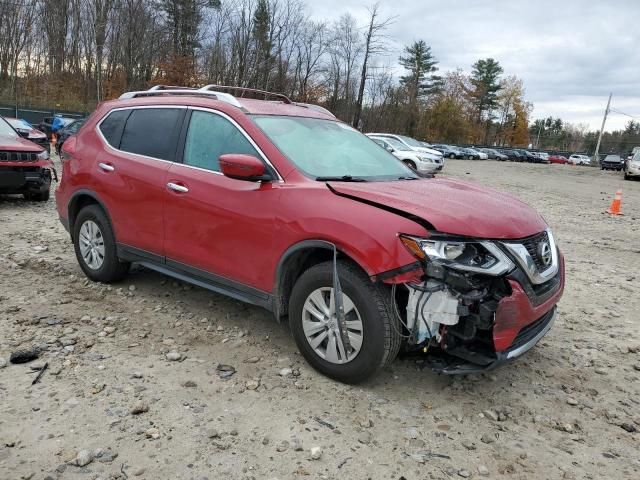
208,97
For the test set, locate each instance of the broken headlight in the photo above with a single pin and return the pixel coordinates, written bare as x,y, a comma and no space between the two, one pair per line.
479,257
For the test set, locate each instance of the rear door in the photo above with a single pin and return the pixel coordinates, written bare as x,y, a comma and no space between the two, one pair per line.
131,171
216,226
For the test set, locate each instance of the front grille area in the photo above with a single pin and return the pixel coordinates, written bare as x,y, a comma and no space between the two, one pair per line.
18,156
531,244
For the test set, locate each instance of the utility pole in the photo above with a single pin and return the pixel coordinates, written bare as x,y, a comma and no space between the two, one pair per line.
595,161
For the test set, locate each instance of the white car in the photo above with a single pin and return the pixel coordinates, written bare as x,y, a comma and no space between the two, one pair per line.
418,161
483,155
579,159
409,144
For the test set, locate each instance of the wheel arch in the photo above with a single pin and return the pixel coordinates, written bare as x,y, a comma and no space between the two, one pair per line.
295,261
81,199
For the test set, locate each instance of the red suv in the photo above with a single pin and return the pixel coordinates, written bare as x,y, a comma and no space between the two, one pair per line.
25,168
280,205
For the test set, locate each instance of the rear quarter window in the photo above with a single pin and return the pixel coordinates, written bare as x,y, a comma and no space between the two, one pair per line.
113,125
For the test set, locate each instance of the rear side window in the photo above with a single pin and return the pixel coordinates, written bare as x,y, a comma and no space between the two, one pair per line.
210,136
152,132
112,126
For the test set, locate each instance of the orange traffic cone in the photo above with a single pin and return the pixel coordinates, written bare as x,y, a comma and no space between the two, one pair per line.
616,206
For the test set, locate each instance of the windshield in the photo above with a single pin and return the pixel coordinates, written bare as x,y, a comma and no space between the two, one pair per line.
397,144
326,148
6,130
410,141
614,158
17,123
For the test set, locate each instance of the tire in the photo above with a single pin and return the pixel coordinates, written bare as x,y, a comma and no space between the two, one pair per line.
111,269
410,164
452,156
380,333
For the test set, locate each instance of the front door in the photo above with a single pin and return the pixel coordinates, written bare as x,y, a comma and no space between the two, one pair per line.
214,224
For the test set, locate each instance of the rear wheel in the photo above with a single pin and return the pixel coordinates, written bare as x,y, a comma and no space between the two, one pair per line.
373,336
95,246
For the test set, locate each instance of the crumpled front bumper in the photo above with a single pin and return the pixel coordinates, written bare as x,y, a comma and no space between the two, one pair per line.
521,321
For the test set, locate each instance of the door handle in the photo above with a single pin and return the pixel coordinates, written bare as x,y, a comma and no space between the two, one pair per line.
177,187
106,167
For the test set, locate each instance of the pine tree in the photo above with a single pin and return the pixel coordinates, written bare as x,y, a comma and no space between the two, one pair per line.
261,36
420,80
485,78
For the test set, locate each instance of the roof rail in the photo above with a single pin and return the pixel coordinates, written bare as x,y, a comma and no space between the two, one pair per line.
159,90
243,90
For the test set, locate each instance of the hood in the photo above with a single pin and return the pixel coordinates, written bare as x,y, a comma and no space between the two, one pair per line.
451,206
426,150
18,144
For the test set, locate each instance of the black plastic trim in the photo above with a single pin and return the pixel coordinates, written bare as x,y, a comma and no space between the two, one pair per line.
379,277
201,278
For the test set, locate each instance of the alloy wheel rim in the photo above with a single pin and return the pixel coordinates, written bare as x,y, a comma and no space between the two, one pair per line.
320,326
91,245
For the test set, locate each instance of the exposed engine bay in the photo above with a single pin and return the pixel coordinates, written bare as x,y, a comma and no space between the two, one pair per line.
449,316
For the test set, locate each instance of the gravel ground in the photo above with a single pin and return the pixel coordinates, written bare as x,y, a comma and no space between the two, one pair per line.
137,384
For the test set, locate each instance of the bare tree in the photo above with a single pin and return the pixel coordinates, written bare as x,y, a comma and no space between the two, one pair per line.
374,44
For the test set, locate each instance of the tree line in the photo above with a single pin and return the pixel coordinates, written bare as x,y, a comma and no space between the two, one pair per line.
71,54
554,134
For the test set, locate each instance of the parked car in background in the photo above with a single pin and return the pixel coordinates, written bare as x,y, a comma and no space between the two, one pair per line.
449,151
483,155
612,162
528,156
511,154
418,161
50,125
544,156
25,167
470,154
559,159
66,132
409,142
494,154
291,210
577,159
632,167
26,130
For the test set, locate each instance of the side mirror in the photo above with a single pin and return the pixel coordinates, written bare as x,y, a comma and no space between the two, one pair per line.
390,149
243,167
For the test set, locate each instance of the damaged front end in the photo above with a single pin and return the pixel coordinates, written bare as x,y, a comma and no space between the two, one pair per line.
472,305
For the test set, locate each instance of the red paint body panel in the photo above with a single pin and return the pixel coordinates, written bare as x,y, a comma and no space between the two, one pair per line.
454,206
516,312
133,192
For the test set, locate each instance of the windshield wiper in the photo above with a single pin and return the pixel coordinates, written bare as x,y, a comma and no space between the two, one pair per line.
344,178
407,178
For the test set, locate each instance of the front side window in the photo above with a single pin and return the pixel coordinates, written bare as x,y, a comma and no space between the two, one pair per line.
210,136
327,148
152,132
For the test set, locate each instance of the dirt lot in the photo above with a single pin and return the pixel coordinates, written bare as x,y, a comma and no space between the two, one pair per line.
569,409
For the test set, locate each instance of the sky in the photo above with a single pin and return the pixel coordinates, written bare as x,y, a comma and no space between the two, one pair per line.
570,53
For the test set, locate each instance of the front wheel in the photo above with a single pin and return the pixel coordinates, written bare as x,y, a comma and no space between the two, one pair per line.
372,332
410,164
452,156
95,246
